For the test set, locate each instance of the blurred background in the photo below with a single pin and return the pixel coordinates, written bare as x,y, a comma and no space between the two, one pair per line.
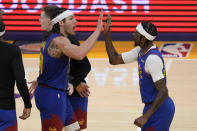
115,100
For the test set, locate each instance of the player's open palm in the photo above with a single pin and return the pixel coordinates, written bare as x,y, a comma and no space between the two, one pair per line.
107,25
100,22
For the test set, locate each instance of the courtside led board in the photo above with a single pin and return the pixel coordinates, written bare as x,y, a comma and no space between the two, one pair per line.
167,15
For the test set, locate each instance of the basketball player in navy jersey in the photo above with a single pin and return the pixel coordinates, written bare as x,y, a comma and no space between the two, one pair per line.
159,108
77,107
50,95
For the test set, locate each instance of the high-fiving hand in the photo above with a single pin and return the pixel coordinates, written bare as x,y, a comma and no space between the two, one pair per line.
100,22
108,25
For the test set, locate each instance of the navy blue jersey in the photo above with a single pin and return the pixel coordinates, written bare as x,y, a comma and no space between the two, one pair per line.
147,88
53,71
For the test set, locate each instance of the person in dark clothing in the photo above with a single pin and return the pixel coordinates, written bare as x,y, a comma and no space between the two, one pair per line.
11,71
79,70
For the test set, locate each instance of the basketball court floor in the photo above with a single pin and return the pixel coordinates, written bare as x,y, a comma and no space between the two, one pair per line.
115,101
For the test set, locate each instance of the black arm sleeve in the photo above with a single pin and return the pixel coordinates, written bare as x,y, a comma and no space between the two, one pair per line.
19,75
79,69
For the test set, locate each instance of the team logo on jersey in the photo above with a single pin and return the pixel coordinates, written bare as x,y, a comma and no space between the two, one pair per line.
176,49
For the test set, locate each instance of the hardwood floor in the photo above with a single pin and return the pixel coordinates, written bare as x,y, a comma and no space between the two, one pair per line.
115,100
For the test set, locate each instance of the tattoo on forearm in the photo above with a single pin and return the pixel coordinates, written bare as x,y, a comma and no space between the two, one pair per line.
54,51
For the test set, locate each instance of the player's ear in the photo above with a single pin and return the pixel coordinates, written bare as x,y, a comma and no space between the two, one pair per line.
61,23
50,25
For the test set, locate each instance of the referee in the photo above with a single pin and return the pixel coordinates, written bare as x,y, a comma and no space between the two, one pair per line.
11,71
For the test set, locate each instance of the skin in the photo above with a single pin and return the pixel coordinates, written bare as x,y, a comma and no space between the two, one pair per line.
45,22
115,59
54,51
68,28
61,45
1,13
26,113
83,89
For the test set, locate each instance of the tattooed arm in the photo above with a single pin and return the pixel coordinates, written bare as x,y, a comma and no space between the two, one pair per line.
54,51
79,52
114,57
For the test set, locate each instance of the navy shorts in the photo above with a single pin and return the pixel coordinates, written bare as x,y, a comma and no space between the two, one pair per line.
52,105
162,118
79,105
8,121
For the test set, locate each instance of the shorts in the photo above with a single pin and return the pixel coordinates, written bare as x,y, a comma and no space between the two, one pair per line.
71,123
52,105
79,105
162,118
8,121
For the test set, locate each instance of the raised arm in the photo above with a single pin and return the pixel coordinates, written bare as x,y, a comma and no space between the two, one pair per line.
79,69
79,52
114,57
